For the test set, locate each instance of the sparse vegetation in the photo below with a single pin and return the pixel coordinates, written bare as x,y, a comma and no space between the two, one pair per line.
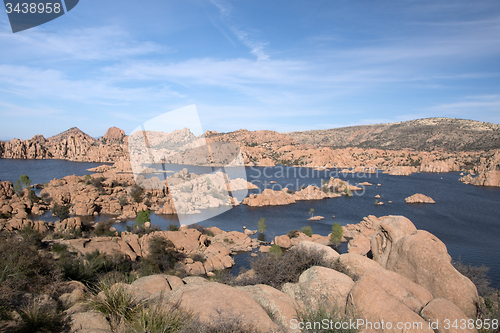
276,250
162,257
142,217
26,181
277,270
159,318
61,211
307,230
336,235
293,233
136,192
37,318
261,225
172,227
315,316
115,301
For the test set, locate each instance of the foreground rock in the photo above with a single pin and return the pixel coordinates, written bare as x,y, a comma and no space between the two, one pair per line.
419,198
420,256
214,303
320,286
423,258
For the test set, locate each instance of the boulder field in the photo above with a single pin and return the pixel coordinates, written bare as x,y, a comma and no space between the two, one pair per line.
409,280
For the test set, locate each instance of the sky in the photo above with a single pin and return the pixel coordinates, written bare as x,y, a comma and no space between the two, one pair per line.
277,65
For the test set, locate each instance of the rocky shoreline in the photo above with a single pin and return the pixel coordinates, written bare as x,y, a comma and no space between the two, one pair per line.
268,148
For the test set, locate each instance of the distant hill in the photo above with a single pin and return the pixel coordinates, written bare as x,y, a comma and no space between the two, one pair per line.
421,134
74,132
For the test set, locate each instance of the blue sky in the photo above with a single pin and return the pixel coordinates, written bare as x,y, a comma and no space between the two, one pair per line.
278,65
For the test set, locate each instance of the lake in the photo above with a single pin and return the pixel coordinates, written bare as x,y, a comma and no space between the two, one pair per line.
465,217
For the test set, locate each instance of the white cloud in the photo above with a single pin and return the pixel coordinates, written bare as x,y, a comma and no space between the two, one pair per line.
34,83
13,110
473,103
101,43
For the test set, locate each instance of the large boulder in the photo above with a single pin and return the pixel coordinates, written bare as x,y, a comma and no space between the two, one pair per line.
359,245
443,314
388,232
374,305
355,265
404,290
329,254
214,302
280,305
320,286
158,283
89,322
424,259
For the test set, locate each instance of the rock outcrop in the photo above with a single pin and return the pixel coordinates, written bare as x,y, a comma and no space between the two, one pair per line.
419,198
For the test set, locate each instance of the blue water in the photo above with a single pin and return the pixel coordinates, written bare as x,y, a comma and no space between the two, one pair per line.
42,171
465,217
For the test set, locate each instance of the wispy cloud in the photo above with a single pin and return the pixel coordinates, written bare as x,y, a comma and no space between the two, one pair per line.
257,48
13,110
473,103
35,83
90,44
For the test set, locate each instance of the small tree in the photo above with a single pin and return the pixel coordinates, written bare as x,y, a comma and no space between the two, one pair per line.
276,250
261,225
311,212
142,217
307,230
336,235
61,211
26,181
18,187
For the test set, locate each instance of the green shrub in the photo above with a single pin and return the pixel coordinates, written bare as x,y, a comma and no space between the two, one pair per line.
136,192
336,235
276,250
102,229
198,257
23,267
261,237
307,230
278,270
123,200
261,225
58,248
26,181
158,318
18,187
32,197
162,256
478,275
36,318
293,233
142,217
172,227
95,264
116,302
61,211
87,177
317,315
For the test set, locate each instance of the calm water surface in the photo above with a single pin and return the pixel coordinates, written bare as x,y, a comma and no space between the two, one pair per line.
465,217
